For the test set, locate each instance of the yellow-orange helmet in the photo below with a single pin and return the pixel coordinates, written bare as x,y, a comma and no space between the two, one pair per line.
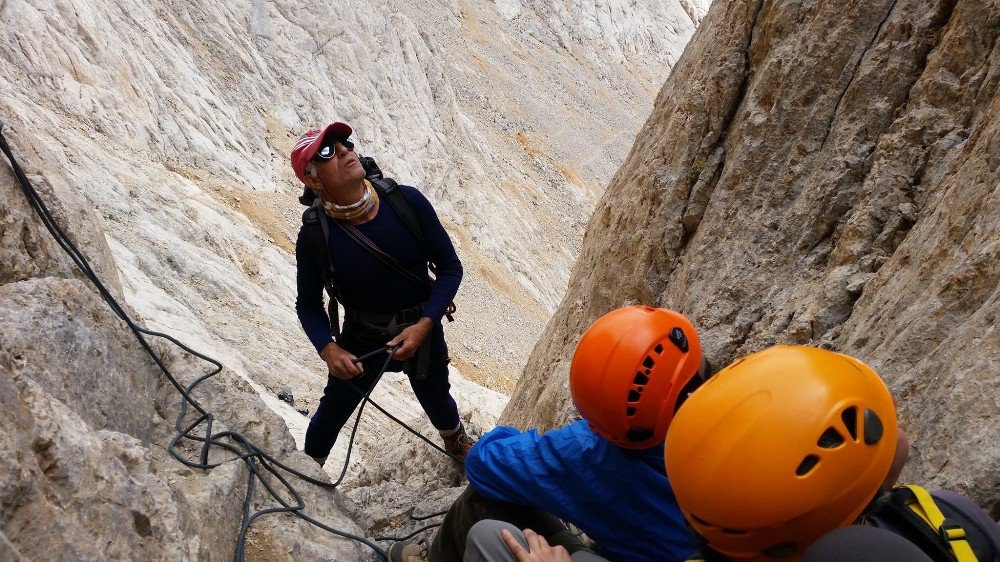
779,448
630,371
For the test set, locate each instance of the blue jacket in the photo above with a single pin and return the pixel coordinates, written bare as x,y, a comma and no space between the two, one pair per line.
368,285
620,497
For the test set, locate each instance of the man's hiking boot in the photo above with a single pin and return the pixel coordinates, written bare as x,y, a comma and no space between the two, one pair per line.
459,443
414,551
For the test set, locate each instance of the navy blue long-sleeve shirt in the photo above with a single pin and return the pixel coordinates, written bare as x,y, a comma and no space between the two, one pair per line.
365,283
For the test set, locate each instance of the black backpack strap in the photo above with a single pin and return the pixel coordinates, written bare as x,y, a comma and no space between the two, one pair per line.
389,191
317,228
371,247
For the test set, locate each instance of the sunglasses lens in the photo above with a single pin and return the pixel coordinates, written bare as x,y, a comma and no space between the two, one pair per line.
330,150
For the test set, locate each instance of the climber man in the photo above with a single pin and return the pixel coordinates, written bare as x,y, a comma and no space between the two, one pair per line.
359,240
605,474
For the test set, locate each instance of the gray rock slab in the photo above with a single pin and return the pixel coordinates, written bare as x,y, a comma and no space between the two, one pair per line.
823,175
65,339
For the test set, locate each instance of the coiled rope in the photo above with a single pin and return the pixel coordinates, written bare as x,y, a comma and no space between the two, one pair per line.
258,461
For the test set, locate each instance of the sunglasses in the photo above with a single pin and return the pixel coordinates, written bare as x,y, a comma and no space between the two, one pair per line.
329,148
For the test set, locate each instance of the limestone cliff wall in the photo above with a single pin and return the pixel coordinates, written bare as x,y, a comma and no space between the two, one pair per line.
826,174
85,417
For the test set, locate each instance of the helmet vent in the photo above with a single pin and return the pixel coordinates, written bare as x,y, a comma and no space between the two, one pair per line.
648,362
637,434
633,396
783,550
658,349
630,411
678,338
873,427
831,439
691,386
701,521
807,465
734,532
850,417
640,379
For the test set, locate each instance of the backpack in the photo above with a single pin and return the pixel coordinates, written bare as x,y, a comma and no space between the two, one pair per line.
942,530
316,228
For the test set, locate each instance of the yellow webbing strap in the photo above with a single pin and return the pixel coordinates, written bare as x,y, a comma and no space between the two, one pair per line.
949,529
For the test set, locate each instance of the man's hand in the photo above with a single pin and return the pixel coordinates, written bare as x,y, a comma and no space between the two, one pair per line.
538,548
411,338
340,363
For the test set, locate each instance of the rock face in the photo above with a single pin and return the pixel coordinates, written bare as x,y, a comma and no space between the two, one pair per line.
824,174
76,351
84,473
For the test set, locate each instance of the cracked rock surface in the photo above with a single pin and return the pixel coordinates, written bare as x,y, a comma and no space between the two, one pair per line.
86,417
827,175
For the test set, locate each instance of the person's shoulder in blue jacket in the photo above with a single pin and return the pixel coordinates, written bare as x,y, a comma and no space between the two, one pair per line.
605,474
506,463
620,497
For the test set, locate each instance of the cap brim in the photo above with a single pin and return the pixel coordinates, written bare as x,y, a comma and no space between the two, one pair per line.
338,129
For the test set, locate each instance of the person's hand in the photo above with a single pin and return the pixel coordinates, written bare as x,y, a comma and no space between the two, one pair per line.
340,363
411,338
538,548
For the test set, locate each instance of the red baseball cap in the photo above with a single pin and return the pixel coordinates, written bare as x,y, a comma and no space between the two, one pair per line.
311,141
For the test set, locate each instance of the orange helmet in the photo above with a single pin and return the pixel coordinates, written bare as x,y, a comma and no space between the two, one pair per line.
631,370
779,448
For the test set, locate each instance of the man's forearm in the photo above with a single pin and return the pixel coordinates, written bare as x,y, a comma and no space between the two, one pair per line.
444,290
316,324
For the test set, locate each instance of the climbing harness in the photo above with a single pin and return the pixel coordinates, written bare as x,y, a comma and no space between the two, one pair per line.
316,230
259,462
